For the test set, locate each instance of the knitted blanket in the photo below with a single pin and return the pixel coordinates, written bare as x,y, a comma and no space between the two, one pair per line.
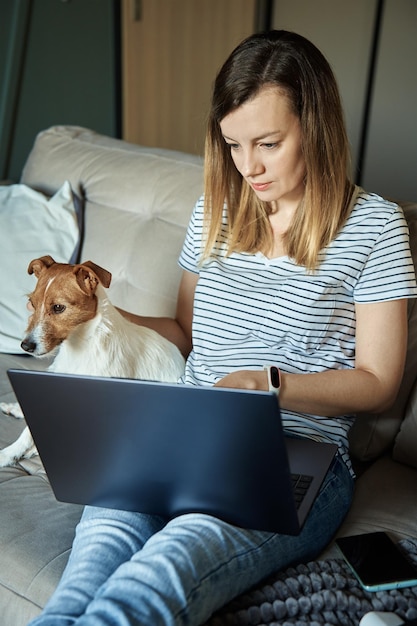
316,593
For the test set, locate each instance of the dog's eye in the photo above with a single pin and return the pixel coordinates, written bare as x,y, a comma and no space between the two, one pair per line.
59,308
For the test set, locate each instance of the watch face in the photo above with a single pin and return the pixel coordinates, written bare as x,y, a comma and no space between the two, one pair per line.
275,380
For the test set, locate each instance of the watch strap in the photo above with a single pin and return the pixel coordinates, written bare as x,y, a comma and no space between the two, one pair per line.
274,378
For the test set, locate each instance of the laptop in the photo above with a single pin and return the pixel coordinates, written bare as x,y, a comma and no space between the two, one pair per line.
169,449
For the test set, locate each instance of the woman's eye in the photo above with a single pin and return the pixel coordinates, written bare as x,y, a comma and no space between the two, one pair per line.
233,146
269,146
58,308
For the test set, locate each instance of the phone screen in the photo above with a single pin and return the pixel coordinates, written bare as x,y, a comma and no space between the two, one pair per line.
377,562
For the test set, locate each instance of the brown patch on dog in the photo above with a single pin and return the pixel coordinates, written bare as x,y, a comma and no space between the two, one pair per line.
64,298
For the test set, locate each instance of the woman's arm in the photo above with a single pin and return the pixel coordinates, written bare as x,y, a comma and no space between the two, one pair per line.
381,344
178,329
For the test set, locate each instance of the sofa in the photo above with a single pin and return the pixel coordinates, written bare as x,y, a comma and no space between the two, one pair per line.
131,207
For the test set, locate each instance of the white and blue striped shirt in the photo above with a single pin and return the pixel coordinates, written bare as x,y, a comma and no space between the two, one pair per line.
250,310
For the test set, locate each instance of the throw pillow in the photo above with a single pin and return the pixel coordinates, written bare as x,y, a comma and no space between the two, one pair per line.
406,441
31,226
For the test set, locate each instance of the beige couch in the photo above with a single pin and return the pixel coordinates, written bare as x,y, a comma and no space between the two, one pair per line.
137,205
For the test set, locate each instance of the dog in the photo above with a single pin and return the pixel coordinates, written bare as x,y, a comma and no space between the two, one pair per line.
73,319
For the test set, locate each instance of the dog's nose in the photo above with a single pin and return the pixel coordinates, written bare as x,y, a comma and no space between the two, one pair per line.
28,346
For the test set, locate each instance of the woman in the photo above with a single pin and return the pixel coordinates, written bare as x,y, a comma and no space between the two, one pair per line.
285,263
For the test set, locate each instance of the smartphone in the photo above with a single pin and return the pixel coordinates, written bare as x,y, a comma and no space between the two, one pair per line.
377,562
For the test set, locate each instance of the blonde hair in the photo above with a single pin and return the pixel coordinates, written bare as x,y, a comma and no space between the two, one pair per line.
294,65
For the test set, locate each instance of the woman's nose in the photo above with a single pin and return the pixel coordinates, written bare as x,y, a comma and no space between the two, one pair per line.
251,164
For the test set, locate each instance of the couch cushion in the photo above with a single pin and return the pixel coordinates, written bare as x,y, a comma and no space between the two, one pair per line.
385,499
51,226
373,434
138,202
36,530
36,537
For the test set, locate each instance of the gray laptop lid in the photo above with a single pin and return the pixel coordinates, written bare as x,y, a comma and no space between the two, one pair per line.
169,449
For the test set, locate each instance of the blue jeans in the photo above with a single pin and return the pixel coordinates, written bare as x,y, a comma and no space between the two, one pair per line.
129,569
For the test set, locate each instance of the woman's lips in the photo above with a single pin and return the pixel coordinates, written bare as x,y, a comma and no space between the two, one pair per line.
260,186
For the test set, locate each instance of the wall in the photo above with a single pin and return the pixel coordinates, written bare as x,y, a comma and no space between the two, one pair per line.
390,164
59,64
344,31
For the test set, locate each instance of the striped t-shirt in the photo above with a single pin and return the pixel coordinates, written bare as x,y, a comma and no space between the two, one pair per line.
250,310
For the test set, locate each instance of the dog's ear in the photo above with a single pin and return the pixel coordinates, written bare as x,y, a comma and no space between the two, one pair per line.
103,275
89,275
86,279
38,265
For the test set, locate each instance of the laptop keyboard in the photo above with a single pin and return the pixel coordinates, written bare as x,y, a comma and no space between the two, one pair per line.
301,484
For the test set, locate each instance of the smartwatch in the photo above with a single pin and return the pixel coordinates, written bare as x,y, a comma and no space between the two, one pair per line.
274,378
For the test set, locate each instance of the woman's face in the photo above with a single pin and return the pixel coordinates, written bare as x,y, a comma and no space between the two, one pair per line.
264,136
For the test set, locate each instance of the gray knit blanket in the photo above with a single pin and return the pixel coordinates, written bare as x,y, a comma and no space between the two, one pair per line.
316,593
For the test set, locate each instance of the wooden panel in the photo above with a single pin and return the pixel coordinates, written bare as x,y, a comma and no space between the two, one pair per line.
170,57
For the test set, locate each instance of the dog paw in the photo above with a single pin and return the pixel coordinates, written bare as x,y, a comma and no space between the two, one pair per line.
6,459
10,457
12,408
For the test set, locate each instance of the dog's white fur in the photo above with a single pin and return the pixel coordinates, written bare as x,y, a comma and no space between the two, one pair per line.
105,344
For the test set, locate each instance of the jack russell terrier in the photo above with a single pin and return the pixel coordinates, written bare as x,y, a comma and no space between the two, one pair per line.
73,318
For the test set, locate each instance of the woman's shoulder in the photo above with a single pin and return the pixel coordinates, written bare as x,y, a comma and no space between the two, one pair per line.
372,212
371,219
198,210
367,203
